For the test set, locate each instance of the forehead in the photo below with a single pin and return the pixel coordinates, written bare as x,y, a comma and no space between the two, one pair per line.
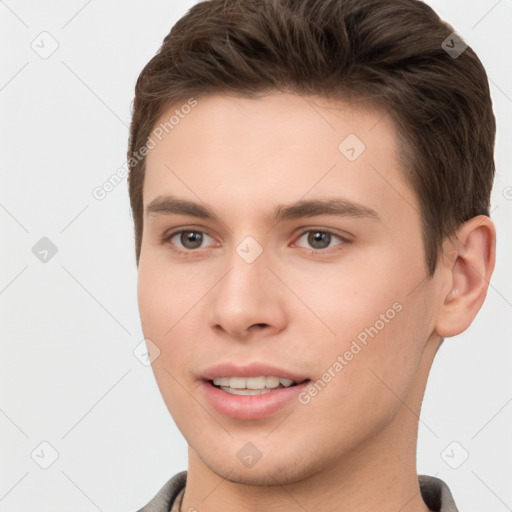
245,154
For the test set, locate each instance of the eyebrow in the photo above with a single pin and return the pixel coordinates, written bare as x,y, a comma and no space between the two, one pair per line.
169,205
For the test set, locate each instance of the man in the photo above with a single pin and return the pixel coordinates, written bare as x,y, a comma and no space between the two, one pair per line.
310,185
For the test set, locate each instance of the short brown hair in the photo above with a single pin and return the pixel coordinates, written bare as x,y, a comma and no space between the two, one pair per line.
388,53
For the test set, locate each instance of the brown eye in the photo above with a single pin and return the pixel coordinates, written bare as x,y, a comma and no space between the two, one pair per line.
318,239
189,239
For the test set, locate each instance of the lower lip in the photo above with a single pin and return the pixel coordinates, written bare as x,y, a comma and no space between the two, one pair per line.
250,407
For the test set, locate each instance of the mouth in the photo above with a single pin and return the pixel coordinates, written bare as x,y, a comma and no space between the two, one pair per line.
251,386
234,398
251,391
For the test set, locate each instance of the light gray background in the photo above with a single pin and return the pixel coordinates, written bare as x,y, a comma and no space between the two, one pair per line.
68,373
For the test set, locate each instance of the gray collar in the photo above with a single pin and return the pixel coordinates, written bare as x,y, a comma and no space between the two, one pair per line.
434,491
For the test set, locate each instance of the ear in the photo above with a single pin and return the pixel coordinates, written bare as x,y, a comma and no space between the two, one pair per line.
467,264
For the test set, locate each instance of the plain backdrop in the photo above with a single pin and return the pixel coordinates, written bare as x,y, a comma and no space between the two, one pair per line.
74,396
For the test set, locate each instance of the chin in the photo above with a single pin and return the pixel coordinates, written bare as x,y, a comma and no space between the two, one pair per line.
266,474
278,468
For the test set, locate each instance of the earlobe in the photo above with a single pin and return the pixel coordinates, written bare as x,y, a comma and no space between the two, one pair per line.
468,263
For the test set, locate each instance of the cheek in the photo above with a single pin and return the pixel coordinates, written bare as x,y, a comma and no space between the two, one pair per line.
371,293
152,302
163,305
347,298
169,307
363,380
159,316
380,323
164,296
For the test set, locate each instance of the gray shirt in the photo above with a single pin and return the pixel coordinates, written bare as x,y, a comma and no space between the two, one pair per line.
435,494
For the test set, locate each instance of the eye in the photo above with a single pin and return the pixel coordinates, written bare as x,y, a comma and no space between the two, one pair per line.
189,239
319,239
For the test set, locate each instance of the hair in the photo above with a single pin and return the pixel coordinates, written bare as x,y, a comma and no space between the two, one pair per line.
383,53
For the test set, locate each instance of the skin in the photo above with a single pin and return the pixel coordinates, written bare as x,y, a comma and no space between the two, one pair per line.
298,306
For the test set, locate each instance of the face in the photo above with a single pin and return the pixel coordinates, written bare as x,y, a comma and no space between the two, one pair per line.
281,240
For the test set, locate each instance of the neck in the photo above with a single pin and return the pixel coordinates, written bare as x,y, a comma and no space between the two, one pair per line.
378,476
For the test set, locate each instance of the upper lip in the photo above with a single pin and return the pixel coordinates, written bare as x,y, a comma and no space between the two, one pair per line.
249,370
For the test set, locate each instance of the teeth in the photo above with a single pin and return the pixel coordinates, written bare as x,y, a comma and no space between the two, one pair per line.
253,383
272,382
235,391
221,381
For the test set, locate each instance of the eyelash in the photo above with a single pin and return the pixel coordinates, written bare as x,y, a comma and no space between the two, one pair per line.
343,241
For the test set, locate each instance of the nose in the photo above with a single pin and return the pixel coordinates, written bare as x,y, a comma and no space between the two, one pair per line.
247,301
